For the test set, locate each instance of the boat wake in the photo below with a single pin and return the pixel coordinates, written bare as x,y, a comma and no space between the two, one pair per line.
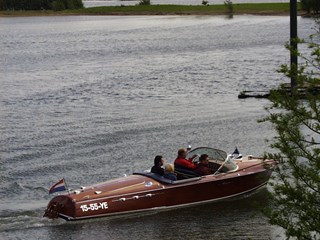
18,219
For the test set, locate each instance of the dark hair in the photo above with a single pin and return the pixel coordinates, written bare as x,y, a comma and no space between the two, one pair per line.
203,157
157,160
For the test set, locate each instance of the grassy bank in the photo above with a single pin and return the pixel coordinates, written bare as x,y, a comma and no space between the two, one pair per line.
252,8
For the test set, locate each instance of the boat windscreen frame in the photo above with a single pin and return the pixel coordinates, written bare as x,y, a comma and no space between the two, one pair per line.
220,154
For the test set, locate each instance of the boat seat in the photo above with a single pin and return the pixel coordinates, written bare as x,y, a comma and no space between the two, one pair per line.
162,179
183,173
155,176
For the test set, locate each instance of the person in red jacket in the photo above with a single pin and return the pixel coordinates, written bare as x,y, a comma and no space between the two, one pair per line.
181,160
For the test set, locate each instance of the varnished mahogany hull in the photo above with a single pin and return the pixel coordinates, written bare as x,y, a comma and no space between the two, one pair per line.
137,193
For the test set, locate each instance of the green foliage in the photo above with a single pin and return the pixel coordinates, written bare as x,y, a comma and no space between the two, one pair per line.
247,8
311,6
40,4
24,4
58,5
205,2
229,6
144,3
276,8
296,181
74,4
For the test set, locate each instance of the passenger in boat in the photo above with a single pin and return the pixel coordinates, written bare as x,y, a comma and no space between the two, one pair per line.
158,163
181,160
169,172
203,166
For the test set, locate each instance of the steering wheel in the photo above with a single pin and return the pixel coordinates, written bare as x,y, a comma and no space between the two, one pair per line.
196,159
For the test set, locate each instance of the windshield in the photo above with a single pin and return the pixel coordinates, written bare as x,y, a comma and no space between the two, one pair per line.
217,156
214,154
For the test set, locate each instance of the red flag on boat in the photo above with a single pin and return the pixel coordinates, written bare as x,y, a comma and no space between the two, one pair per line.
59,186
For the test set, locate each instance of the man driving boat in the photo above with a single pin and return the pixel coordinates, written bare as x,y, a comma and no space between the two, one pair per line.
181,160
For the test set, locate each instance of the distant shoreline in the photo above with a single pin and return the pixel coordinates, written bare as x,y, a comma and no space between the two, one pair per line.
266,9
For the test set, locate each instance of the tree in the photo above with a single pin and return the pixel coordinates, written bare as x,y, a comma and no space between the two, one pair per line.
58,5
144,2
40,4
295,198
311,6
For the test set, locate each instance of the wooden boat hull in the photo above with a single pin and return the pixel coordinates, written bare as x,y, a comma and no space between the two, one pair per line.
140,192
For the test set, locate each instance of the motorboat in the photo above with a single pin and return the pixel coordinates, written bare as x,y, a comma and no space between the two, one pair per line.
146,191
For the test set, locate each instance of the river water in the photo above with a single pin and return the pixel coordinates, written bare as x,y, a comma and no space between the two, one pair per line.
90,98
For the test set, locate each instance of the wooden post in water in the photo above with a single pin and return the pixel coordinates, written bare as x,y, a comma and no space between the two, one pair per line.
293,43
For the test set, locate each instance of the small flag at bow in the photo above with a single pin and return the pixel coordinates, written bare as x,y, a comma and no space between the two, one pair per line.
58,187
236,154
236,151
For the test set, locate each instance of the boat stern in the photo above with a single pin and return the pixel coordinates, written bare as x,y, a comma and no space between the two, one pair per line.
61,206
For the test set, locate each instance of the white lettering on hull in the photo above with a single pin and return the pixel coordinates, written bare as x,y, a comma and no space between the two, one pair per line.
94,206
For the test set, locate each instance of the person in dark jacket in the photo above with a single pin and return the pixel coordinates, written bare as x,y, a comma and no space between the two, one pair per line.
169,172
158,163
203,166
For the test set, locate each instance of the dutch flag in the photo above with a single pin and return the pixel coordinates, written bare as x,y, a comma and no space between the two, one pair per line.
59,186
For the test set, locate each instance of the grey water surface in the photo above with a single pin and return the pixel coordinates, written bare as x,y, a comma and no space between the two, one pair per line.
90,98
